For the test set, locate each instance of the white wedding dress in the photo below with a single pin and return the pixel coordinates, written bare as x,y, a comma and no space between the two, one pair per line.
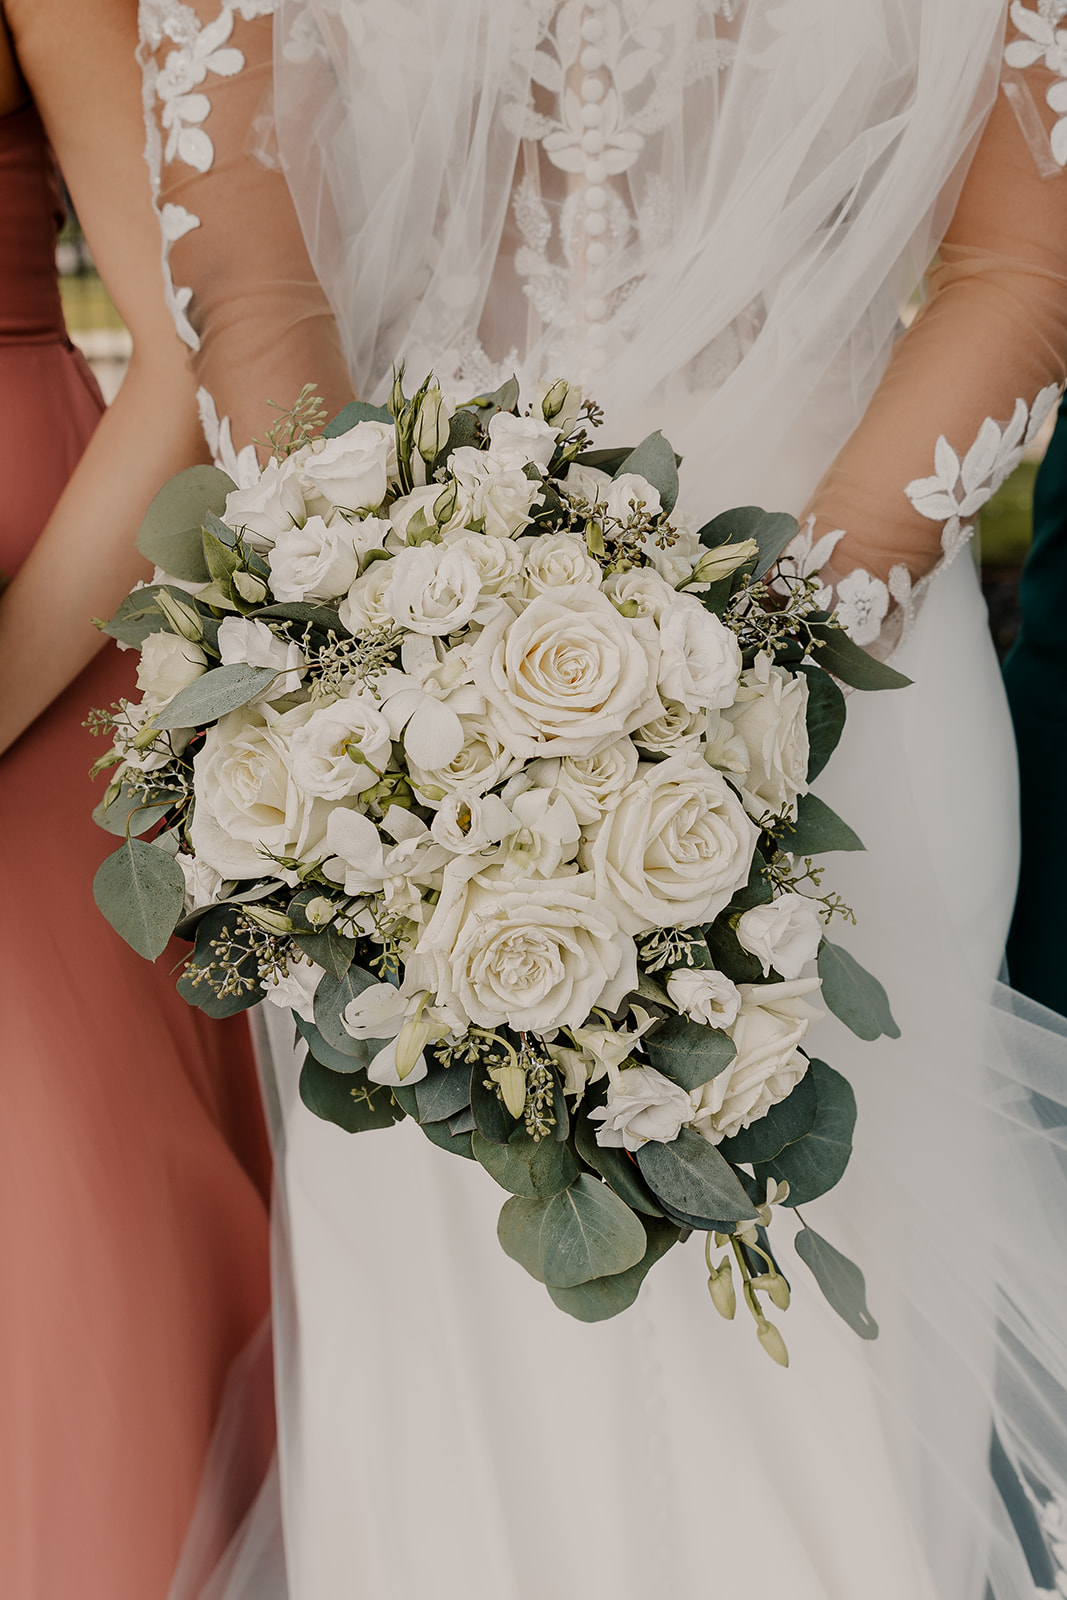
711,213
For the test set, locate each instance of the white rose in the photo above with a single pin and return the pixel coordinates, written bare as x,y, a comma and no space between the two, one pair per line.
296,990
770,716
480,764
269,508
498,562
784,934
772,1021
202,883
587,483
567,676
315,562
168,663
642,1104
246,796
705,996
556,561
364,609
246,639
641,592
352,471
676,730
503,500
435,589
624,494
342,749
517,441
675,849
468,822
700,660
593,783
413,513
533,956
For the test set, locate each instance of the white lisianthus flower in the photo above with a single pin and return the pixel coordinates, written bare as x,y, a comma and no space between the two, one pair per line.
352,471
723,746
363,609
265,511
296,991
435,589
770,716
414,513
342,749
498,562
593,783
642,1104
676,730
468,822
503,502
568,675
533,956
247,639
481,762
556,561
247,799
626,492
784,934
168,663
315,562
202,883
519,441
700,661
773,1019
641,592
587,483
675,849
705,996
369,533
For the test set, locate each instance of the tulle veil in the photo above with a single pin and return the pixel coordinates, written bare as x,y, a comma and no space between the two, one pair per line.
810,173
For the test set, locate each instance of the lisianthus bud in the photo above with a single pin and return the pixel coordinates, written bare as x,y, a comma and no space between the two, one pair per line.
772,1342
431,425
774,1287
721,1289
560,403
722,561
319,912
267,919
512,1081
183,618
250,587
444,507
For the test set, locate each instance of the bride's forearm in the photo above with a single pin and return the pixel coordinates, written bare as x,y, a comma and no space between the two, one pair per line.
86,559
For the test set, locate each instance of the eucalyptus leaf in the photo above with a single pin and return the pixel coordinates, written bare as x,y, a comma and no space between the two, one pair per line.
170,532
825,718
609,460
214,694
617,1168
492,1117
440,1134
331,998
350,1101
731,527
690,1175
783,1124
602,1298
223,923
128,813
840,1280
351,415
756,892
854,995
320,616
323,1052
819,829
585,1232
535,1169
329,949
738,965
815,1163
654,459
141,891
137,617
404,1095
443,1092
837,653
506,398
689,1053
462,1122
773,534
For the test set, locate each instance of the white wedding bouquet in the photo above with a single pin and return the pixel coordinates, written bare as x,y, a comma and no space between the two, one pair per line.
453,740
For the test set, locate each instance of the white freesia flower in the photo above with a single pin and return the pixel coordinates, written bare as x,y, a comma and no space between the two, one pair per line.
498,562
519,441
676,730
247,639
423,703
379,1012
567,676
480,763
266,510
355,852
773,1019
342,749
593,783
770,716
543,836
202,883
168,663
641,592
705,996
534,956
700,661
435,588
626,492
468,823
363,609
315,562
352,471
642,1104
296,991
784,934
556,561
675,849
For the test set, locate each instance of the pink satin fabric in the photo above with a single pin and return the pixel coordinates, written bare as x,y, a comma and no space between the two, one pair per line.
133,1159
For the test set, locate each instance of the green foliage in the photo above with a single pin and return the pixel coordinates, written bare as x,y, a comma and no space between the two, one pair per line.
331,998
491,1116
840,1280
617,1167
170,533
655,460
128,814
609,460
783,1124
355,412
825,718
691,1177
837,653
320,616
815,1163
228,950
323,1052
329,948
443,1092
506,398
211,696
601,1298
442,1135
689,1053
585,1232
350,1101
137,617
818,829
854,995
738,965
141,892
535,1169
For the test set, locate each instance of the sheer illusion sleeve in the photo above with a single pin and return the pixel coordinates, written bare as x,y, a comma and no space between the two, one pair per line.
970,383
237,275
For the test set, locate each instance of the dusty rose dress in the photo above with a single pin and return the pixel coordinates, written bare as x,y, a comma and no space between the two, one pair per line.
133,1223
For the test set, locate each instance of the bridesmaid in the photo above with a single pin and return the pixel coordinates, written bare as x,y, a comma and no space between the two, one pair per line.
133,1173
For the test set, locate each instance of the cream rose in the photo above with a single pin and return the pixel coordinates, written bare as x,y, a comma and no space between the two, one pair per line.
435,589
593,783
772,1021
315,562
587,484
363,609
676,730
556,561
342,749
784,934
533,956
568,675
705,996
675,849
641,592
168,663
700,659
481,762
770,716
626,492
352,471
269,508
642,1104
498,563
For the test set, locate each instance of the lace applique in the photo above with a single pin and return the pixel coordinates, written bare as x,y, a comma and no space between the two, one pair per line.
241,465
1044,40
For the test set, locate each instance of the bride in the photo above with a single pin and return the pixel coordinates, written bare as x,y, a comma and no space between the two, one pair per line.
710,213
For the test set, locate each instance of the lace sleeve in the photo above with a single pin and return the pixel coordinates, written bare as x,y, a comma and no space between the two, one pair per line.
236,272
970,383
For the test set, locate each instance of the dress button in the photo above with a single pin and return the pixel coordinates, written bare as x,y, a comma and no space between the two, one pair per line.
592,89
596,198
593,141
596,277
595,222
593,29
592,116
595,172
596,252
591,59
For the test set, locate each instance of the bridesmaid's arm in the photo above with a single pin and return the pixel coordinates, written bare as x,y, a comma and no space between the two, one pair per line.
78,60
